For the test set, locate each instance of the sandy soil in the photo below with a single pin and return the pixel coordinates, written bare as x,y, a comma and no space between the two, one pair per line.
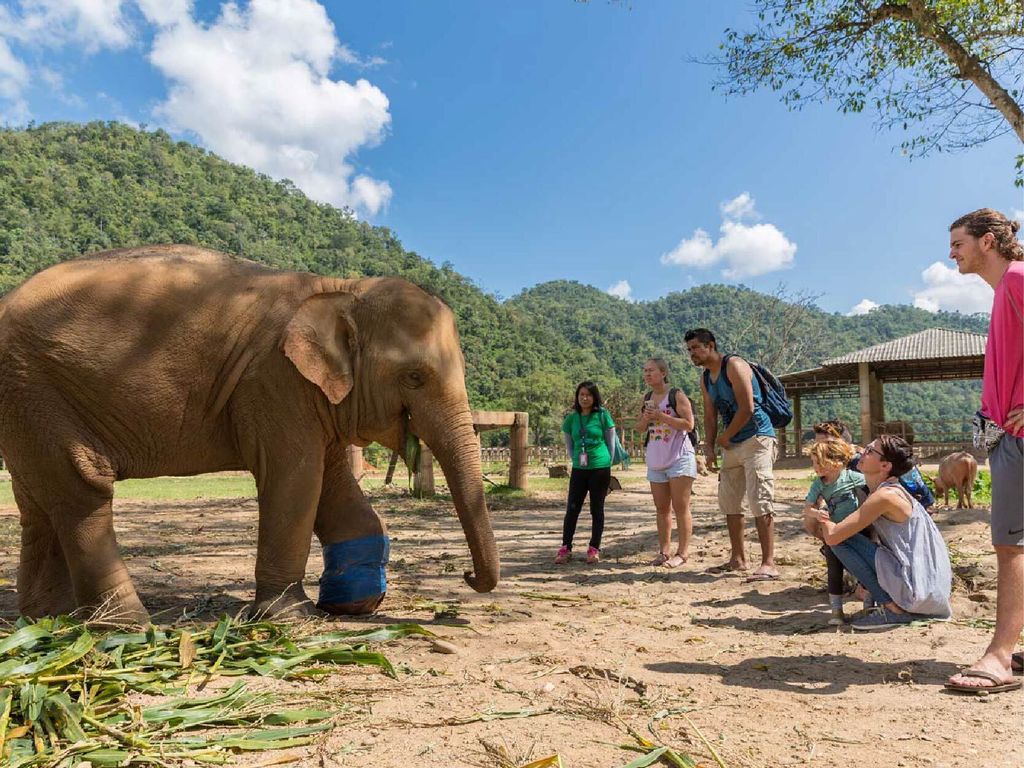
596,651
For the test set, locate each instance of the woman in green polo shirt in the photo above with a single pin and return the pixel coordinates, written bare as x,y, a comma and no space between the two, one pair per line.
589,438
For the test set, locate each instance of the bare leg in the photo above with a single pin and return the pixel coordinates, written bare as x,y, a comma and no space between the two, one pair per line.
681,488
738,556
766,535
1009,619
663,508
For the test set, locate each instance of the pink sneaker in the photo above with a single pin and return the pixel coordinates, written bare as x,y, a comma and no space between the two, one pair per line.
563,556
593,555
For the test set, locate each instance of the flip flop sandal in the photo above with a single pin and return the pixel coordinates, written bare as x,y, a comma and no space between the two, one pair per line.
724,568
998,685
754,577
661,559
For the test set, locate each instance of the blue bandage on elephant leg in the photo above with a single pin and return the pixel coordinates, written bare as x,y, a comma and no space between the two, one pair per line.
354,570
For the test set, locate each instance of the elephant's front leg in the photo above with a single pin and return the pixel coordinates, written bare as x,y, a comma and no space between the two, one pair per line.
289,491
354,540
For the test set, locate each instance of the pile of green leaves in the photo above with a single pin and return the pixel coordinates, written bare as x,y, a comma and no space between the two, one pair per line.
69,694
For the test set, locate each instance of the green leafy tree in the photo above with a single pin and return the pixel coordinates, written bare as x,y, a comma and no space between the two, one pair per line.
546,394
952,68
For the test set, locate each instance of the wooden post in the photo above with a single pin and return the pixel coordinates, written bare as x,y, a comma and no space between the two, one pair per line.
877,399
782,435
798,427
355,461
866,427
517,461
423,482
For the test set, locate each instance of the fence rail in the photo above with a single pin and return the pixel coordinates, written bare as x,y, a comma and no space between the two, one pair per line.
544,455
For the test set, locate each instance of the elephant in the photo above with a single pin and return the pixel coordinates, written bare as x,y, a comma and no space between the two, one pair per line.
178,360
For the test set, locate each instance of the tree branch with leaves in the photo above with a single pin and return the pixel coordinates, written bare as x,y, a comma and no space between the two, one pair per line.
952,68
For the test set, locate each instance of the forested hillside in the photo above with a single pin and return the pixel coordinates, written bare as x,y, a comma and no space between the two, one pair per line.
68,189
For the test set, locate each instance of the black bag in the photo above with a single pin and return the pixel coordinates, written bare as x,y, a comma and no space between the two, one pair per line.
693,434
773,394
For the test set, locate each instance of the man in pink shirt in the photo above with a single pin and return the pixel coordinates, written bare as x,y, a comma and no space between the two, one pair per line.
985,243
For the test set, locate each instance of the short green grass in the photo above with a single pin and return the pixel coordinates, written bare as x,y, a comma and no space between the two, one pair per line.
216,486
235,485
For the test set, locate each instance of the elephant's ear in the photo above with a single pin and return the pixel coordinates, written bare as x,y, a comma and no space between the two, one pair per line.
321,342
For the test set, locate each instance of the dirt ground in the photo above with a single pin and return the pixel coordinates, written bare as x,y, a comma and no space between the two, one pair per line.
590,652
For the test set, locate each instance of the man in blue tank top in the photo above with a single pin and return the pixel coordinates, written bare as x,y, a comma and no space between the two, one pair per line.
749,448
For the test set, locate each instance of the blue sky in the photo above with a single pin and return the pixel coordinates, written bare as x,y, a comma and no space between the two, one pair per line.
524,142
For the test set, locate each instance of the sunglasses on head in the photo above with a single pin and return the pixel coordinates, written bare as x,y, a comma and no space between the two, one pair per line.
875,451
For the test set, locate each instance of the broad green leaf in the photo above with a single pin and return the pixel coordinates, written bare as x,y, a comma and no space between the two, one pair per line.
649,759
26,636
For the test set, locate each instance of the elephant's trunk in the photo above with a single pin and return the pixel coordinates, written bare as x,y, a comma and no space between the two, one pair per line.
449,434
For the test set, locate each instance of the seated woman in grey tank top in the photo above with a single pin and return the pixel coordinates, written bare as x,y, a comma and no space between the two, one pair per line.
907,573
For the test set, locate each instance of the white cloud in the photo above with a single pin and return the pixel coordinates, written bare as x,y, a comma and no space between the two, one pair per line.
90,24
863,307
13,74
739,208
696,251
1017,214
347,56
13,78
745,250
93,24
254,86
165,12
945,288
622,290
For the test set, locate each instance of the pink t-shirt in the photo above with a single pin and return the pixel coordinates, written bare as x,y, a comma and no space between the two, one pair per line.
665,445
1002,386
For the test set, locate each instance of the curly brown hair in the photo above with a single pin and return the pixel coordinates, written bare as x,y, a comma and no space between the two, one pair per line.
985,220
832,453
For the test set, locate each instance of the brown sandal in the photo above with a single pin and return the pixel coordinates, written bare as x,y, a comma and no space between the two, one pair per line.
998,685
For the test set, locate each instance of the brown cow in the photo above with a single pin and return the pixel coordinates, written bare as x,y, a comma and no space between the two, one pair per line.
956,473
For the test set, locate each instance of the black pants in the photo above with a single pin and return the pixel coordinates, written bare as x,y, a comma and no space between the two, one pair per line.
581,482
835,571
836,585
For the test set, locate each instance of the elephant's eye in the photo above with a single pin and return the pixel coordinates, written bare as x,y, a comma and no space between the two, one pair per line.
413,379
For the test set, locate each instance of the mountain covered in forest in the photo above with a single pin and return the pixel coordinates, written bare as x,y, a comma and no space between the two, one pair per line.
68,189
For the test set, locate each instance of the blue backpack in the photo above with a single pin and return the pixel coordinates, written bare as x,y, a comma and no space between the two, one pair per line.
773,394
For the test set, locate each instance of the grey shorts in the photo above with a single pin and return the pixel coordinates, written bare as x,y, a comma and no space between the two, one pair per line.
1007,465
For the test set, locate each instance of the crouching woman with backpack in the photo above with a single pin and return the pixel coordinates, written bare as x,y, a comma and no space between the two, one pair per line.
667,418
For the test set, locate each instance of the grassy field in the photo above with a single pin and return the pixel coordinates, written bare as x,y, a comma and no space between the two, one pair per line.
217,486
240,485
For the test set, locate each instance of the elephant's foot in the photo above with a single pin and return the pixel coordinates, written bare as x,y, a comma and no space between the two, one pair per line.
45,601
118,607
47,592
44,582
287,603
355,608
